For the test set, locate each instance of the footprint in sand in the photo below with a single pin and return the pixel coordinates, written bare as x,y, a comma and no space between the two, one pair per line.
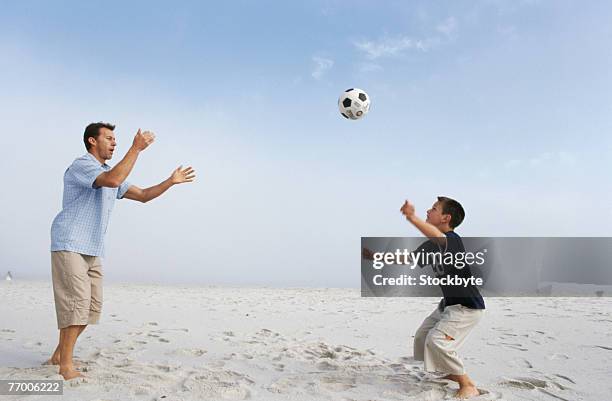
488,395
190,351
167,368
521,363
219,385
526,383
338,383
516,346
565,378
124,364
326,365
531,383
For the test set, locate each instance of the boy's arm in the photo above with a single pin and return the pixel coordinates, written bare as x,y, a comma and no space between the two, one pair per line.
179,176
428,230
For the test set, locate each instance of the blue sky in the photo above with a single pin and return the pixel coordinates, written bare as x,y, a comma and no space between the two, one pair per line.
504,105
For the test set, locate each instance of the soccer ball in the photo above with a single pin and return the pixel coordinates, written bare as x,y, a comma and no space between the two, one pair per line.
354,103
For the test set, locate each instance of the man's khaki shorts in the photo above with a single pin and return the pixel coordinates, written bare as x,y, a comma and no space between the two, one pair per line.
77,288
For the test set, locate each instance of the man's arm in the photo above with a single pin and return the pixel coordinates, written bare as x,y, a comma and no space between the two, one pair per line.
115,176
428,230
178,176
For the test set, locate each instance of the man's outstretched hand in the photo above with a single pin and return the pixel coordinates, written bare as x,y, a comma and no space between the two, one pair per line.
181,175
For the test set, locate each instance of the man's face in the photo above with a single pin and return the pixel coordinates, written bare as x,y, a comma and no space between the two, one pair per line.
105,144
435,216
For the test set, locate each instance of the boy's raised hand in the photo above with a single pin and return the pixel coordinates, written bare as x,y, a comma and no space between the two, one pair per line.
367,254
407,210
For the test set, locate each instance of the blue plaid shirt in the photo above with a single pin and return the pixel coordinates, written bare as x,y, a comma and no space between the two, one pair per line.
86,209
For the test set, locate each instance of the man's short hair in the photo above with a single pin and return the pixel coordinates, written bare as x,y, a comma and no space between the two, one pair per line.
93,130
454,208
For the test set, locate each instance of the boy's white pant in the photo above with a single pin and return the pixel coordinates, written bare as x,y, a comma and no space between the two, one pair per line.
431,345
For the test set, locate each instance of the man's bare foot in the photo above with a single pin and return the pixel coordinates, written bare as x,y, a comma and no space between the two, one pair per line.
53,361
70,374
467,392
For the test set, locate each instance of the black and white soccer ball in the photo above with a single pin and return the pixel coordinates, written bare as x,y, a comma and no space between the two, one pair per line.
354,103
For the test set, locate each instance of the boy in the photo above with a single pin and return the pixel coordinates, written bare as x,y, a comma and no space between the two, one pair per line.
445,330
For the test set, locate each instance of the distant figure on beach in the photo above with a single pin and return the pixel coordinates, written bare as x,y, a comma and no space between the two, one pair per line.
9,276
77,233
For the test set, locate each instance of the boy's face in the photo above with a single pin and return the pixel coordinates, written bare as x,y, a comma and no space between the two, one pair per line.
435,216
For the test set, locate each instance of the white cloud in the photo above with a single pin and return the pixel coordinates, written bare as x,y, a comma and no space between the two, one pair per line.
508,31
369,67
541,159
567,158
322,65
513,163
390,46
448,26
559,158
394,46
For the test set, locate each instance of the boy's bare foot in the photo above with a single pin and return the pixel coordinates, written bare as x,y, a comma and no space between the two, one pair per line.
467,392
451,377
455,378
70,373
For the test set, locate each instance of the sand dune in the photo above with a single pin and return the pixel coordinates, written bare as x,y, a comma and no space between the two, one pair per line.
212,343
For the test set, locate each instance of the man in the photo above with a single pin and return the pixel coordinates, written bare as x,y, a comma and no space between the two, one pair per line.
77,233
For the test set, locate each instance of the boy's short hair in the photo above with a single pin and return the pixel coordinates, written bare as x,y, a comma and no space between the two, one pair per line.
454,208
93,130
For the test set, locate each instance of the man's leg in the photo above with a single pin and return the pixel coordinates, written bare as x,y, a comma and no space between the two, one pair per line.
68,337
72,293
55,358
95,277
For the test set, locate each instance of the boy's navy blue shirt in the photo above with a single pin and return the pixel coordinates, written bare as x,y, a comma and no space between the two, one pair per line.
455,294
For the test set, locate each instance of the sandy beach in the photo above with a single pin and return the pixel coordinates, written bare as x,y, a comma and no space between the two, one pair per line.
219,343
